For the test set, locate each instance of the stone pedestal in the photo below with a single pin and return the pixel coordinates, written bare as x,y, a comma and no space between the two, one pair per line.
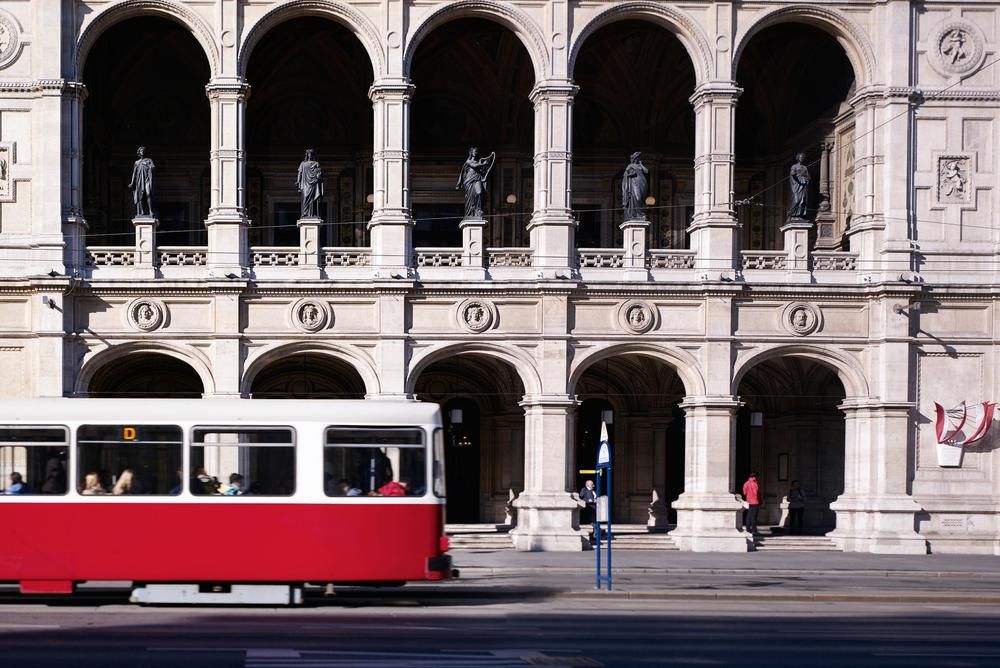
309,246
473,248
74,230
228,250
634,239
796,232
145,244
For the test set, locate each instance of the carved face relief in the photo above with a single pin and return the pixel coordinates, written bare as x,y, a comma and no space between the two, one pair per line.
637,317
957,47
476,316
146,314
801,319
309,315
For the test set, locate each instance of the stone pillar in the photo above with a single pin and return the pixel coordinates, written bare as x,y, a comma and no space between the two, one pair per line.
74,227
547,514
658,516
309,246
473,248
875,513
796,232
634,238
826,221
707,510
867,230
552,226
714,228
391,225
146,259
227,222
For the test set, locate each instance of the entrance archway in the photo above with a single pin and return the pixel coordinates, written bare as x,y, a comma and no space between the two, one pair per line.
641,396
484,434
791,429
307,376
146,375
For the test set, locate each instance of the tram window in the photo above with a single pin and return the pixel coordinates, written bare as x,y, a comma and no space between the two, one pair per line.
129,459
241,461
439,489
33,460
374,462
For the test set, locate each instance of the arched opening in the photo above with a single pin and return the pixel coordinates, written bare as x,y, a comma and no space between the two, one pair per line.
145,81
796,82
472,80
640,394
635,82
309,79
484,434
790,429
146,375
308,376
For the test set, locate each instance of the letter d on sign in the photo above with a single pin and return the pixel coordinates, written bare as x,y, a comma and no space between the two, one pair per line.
128,433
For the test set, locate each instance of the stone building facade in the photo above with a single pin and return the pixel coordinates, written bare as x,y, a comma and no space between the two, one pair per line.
716,335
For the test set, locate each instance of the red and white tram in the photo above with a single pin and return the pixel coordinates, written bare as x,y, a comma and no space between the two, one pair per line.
250,498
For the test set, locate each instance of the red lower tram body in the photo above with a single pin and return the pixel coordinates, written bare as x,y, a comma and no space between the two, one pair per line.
48,547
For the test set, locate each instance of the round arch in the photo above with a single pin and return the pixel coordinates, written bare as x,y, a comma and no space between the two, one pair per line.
849,35
352,358
519,361
338,12
683,363
128,9
677,22
847,369
522,25
100,361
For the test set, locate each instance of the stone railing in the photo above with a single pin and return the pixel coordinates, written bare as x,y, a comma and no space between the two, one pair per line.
613,258
670,259
345,256
834,261
274,256
438,257
110,256
509,257
753,260
182,256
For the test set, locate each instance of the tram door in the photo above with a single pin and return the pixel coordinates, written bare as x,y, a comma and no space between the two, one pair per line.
462,455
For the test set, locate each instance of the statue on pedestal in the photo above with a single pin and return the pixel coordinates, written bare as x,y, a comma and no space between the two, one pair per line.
473,179
635,188
142,184
310,184
798,179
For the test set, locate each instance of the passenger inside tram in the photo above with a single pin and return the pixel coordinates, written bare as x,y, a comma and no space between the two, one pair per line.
17,485
92,485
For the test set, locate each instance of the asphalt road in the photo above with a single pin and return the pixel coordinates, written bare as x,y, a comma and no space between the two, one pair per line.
402,631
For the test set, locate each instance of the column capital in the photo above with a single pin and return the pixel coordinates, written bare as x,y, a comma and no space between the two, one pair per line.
858,404
383,88
74,90
553,88
716,91
227,87
565,402
717,403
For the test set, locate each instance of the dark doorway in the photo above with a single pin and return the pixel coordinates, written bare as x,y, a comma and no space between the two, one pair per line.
146,375
461,455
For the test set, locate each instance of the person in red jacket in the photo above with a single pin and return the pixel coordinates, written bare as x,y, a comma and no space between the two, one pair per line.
751,493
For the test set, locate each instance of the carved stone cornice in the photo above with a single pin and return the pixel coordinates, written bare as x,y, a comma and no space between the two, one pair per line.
390,88
544,91
237,88
726,92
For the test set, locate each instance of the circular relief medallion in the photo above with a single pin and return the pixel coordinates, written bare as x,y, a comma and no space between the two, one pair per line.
310,315
10,39
801,319
476,315
146,314
957,47
637,316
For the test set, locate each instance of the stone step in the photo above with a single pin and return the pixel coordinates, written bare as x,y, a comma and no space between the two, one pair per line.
795,544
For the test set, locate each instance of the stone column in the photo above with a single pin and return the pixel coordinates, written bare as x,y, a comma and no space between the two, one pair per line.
146,259
707,510
796,232
714,228
552,227
391,225
473,248
867,230
634,238
74,227
826,221
547,514
875,513
309,246
227,221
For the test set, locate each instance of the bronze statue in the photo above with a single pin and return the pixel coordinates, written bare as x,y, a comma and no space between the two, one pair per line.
473,179
798,178
310,184
142,184
635,188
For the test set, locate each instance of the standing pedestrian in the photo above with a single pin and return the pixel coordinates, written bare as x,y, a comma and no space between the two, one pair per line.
796,507
751,494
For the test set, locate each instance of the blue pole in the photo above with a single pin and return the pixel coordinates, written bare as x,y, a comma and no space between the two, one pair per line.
609,526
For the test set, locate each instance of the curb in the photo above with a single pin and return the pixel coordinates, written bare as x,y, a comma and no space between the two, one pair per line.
642,570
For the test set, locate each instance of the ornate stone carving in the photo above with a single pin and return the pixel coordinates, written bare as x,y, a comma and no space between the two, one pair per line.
957,48
10,39
953,180
637,316
476,315
310,315
801,318
6,163
147,314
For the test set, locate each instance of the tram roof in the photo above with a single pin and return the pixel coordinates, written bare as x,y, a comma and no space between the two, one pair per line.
215,411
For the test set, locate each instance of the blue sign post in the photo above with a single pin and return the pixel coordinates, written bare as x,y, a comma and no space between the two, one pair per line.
603,514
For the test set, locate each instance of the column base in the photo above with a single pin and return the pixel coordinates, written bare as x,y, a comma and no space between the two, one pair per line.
707,523
545,523
884,525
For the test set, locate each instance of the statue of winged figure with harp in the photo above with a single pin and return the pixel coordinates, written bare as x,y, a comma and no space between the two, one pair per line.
472,179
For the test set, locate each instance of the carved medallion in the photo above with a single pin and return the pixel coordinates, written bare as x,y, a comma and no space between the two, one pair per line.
801,319
310,315
476,315
637,317
6,163
954,179
957,47
10,39
147,314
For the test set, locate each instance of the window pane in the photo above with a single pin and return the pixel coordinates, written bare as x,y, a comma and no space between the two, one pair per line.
356,471
129,459
439,489
374,437
244,461
32,435
33,460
